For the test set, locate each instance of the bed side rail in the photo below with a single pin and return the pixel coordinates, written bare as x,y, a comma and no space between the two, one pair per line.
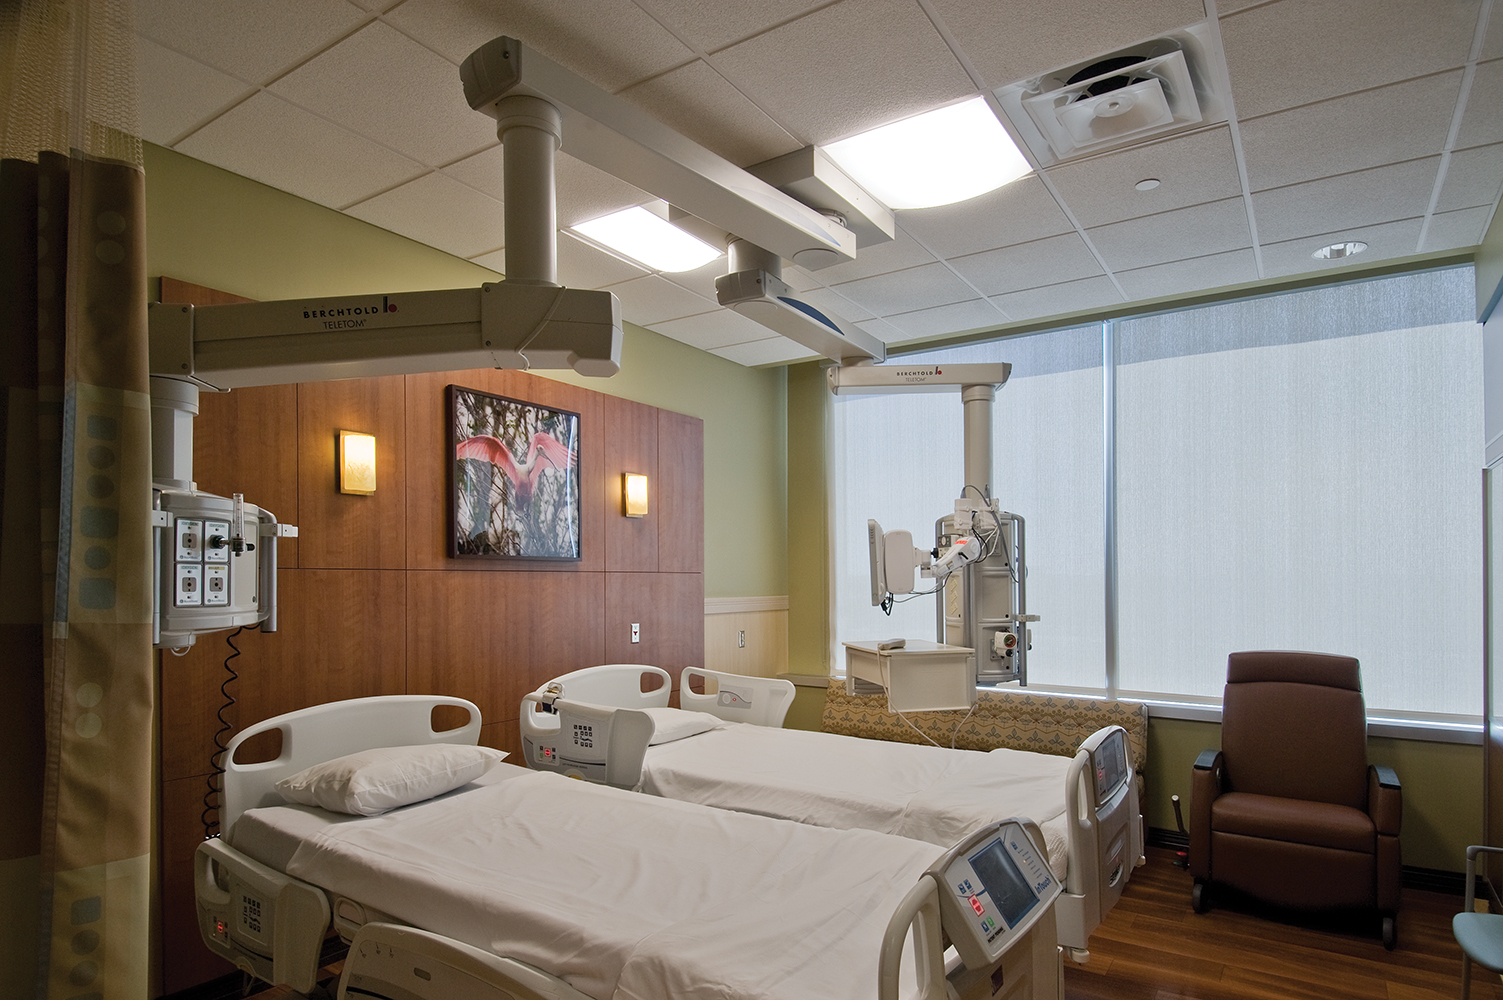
761,701
1104,840
387,960
598,743
919,910
268,924
618,685
325,732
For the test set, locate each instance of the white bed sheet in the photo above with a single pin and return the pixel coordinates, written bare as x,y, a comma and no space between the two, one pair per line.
624,897
927,793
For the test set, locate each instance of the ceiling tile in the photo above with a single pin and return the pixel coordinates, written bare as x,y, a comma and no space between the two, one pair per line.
1193,275
905,291
581,265
1042,262
268,140
1192,169
882,330
701,280
651,299
958,317
707,331
583,192
1185,232
178,93
1299,51
1364,198
1007,42
837,304
419,111
1480,122
1015,213
253,41
611,43
496,261
1473,177
440,212
697,102
896,254
1391,239
1350,133
1492,44
765,352
713,26
1054,300
1453,230
847,68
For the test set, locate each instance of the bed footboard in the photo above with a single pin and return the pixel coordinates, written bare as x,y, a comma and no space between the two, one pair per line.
268,924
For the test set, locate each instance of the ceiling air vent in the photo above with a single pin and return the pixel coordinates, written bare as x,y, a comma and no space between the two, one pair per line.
1163,85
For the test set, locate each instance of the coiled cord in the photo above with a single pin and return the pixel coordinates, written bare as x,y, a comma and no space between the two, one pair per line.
215,781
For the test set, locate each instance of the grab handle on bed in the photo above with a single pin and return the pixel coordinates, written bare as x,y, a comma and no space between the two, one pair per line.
919,910
761,701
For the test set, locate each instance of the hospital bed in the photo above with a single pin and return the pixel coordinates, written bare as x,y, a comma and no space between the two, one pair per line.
521,885
1086,805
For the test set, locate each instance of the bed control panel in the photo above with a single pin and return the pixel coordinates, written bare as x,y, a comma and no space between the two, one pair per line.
996,886
579,740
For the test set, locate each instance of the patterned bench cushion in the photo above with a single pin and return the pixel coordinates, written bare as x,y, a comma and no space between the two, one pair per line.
1043,723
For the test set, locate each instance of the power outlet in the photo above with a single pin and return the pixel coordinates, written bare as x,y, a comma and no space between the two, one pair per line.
636,631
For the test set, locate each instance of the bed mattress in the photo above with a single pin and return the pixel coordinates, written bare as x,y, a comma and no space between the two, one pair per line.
623,896
933,794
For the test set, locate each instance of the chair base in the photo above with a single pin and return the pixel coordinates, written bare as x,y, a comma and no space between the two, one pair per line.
1204,891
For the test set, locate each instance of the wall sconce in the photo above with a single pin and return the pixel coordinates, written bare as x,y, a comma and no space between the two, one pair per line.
357,463
634,494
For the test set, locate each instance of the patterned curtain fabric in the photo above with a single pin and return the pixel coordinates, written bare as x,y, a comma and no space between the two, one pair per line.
78,668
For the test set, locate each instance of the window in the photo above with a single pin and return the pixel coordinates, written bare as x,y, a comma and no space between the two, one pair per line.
1299,470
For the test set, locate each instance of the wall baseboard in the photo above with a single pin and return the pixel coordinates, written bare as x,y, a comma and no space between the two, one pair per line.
1419,879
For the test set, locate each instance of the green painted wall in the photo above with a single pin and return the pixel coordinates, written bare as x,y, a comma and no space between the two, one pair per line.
809,608
215,228
1442,787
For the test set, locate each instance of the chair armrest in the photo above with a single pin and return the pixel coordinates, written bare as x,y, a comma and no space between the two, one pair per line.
1385,800
1205,786
1471,872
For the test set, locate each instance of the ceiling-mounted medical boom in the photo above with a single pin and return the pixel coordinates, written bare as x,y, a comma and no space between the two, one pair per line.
614,135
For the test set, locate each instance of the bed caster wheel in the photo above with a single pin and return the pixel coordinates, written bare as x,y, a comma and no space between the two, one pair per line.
1200,897
1390,933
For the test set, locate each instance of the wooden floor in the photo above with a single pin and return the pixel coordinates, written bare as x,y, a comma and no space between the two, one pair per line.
1154,947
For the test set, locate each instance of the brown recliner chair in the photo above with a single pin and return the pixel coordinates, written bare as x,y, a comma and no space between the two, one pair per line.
1288,810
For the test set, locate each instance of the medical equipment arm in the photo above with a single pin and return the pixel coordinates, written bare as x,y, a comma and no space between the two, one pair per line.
498,325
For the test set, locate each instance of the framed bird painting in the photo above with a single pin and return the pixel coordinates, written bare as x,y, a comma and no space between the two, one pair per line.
515,478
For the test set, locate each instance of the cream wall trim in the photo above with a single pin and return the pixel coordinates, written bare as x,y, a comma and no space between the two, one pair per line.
737,605
765,637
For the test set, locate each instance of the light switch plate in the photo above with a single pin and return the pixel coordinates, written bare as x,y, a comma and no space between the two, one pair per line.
636,631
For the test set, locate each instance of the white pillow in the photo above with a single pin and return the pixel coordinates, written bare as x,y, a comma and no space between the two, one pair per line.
372,781
674,724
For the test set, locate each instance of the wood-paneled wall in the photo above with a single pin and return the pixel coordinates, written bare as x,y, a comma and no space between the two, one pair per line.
370,601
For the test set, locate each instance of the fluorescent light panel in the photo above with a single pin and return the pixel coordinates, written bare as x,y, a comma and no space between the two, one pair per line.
649,240
936,158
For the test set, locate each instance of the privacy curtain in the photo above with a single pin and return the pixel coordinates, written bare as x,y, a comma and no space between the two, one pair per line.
77,668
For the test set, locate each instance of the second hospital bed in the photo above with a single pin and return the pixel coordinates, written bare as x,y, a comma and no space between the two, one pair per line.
1086,806
520,885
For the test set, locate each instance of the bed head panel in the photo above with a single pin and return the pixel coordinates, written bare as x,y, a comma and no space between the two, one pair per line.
324,732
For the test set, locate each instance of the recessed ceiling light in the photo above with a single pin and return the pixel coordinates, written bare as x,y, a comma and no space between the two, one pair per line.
649,240
1147,184
936,158
1336,251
